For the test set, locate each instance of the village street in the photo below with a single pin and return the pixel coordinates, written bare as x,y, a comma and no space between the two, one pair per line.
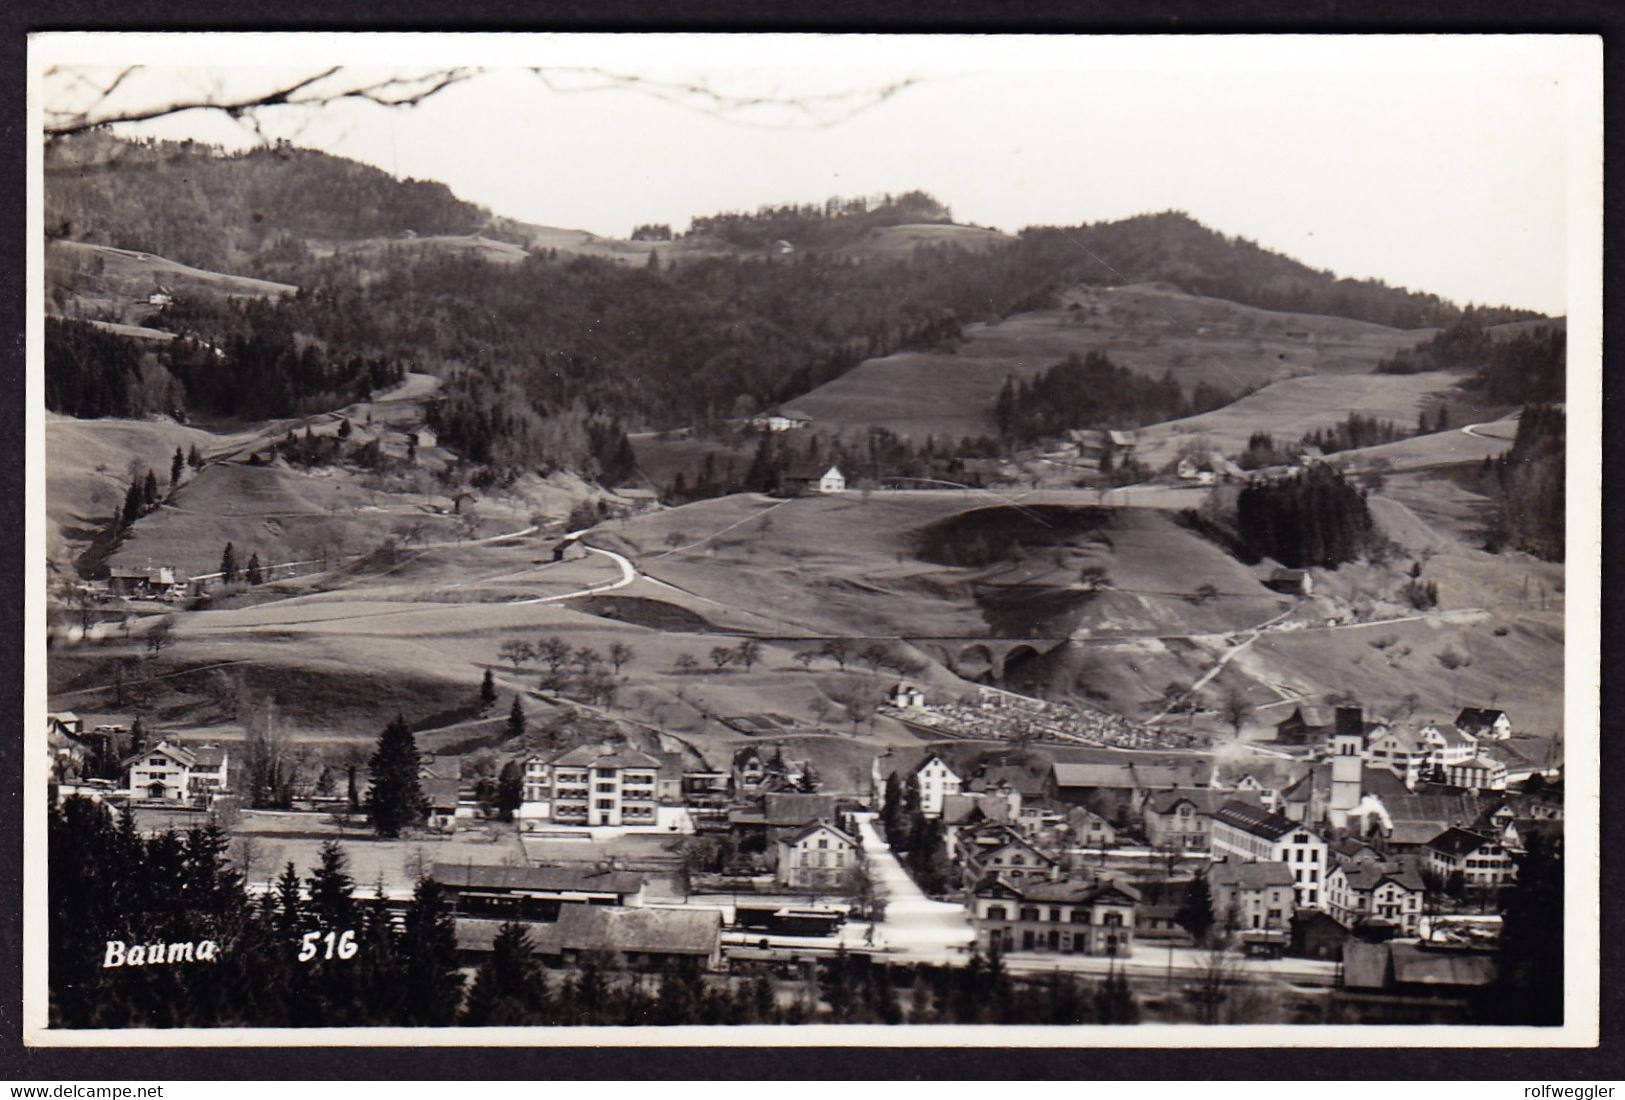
914,923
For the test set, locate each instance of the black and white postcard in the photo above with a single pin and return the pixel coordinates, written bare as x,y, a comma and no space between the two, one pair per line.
813,539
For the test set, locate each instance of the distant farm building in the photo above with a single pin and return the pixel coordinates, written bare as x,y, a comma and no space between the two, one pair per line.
804,480
778,422
164,582
1291,582
906,696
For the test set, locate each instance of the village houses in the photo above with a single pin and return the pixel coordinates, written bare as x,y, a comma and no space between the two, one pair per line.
172,772
1376,891
1071,916
1245,832
817,856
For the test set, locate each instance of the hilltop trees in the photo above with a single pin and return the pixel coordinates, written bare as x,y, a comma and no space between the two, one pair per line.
1094,392
1315,519
397,801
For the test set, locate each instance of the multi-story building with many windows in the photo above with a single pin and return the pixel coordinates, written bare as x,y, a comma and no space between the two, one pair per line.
600,785
1246,833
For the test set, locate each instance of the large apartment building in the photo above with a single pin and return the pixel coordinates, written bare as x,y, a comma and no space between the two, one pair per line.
1245,833
598,785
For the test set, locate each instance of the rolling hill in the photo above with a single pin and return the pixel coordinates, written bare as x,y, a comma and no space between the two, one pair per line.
1151,329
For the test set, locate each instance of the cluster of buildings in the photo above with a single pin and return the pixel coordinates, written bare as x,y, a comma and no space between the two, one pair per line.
1298,855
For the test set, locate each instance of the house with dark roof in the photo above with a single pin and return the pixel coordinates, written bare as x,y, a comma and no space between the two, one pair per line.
1315,934
991,850
1482,861
808,479
1306,725
605,784
817,856
1183,818
1251,896
440,798
1065,916
1366,892
1485,723
1243,832
170,771
1291,582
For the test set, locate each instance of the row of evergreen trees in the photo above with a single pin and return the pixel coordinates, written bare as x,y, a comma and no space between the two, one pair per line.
1094,392
1314,519
1514,369
109,883
91,372
1531,479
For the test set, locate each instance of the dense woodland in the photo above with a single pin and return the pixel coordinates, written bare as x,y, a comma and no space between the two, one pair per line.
548,363
1523,367
1314,519
255,372
234,212
837,222
1530,479
1094,392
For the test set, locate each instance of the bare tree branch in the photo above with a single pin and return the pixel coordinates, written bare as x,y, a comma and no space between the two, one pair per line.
307,91
815,110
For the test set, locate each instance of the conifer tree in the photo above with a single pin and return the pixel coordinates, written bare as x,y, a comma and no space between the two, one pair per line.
488,689
254,575
397,795
228,564
510,989
149,489
516,719
176,465
510,790
433,985
193,458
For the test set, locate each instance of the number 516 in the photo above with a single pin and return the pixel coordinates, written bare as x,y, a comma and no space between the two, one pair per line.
340,945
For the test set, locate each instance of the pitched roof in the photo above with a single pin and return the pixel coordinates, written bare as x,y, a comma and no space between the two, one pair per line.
208,756
579,879
960,808
1458,842
1069,890
605,756
1414,965
1255,820
180,753
1019,777
1368,876
642,930
1475,719
1205,800
1313,716
817,826
1095,775
794,808
1249,876
441,792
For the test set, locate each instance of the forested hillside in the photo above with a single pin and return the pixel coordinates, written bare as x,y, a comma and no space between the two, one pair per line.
233,212
1525,366
526,348
1173,247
